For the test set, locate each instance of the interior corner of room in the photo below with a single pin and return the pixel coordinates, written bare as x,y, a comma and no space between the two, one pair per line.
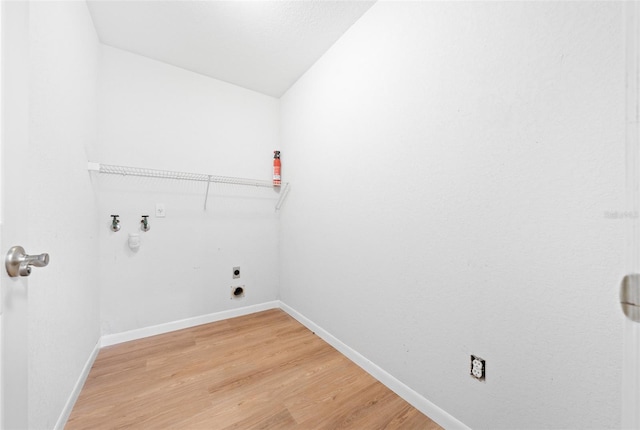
454,214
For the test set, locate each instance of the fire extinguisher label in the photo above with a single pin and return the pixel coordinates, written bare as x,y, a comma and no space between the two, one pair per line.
276,176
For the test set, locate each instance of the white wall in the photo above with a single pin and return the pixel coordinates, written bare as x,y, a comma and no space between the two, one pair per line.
158,116
62,212
454,169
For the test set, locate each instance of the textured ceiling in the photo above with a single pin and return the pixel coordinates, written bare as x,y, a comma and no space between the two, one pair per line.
261,45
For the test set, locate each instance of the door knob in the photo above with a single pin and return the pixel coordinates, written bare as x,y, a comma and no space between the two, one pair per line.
18,263
630,296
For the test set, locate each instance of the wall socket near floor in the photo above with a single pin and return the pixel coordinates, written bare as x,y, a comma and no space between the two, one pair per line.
236,272
478,367
237,292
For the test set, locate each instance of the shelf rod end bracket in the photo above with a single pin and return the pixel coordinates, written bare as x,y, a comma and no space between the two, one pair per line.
206,194
283,195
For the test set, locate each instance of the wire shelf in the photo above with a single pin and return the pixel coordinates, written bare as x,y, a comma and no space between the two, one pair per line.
112,169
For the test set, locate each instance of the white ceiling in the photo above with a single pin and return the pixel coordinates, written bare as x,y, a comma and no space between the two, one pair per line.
263,45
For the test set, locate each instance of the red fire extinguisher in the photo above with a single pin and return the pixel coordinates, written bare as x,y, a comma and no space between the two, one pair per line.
276,168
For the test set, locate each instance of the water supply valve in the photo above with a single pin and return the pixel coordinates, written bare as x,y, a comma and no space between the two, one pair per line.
145,223
115,223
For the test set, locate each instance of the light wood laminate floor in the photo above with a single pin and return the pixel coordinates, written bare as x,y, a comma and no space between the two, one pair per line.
260,371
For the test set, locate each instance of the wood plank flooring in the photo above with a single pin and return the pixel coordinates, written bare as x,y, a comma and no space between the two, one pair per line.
260,371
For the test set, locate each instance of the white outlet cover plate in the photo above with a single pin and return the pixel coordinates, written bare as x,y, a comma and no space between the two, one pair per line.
160,212
478,368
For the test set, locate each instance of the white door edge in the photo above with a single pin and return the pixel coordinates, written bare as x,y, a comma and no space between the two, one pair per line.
631,330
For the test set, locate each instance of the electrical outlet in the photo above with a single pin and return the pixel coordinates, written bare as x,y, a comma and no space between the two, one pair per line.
236,272
237,292
160,213
478,367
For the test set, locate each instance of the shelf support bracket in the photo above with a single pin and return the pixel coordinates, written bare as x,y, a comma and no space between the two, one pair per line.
206,194
283,195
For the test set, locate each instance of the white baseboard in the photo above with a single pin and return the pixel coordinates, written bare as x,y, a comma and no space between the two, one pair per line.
113,339
68,407
416,400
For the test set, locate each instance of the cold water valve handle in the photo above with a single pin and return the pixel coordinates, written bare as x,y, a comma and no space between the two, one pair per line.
115,223
145,223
